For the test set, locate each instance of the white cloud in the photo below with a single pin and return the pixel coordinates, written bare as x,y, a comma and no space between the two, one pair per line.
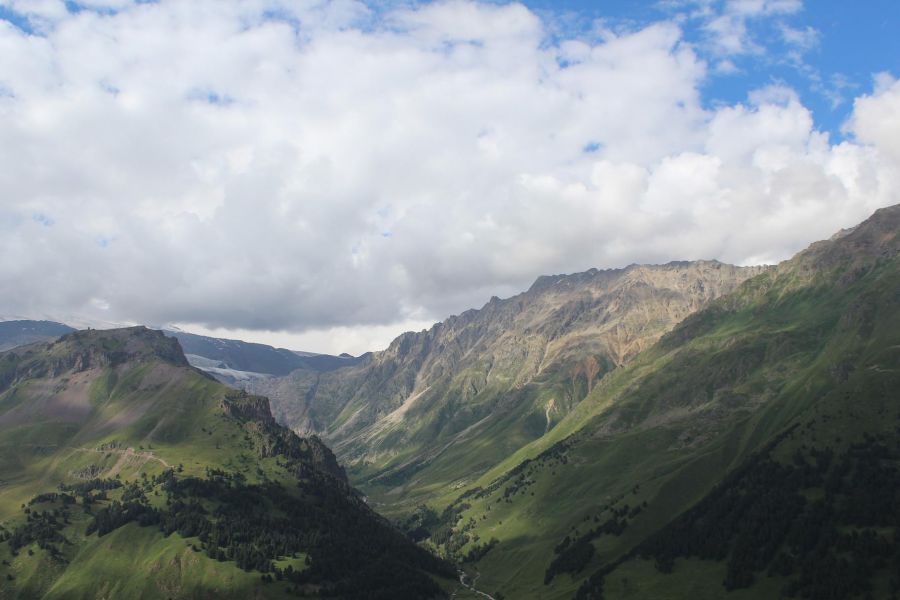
757,8
876,118
332,340
341,171
803,39
729,25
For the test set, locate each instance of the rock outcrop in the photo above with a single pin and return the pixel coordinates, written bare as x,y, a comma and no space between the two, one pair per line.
89,349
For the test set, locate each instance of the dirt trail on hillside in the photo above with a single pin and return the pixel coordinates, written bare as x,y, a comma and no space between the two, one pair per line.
128,456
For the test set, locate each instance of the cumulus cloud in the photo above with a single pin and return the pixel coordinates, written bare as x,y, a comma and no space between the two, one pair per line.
335,168
876,120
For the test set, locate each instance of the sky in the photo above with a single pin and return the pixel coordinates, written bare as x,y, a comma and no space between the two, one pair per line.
326,175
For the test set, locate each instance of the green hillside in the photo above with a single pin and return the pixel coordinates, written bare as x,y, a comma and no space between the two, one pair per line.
753,452
126,473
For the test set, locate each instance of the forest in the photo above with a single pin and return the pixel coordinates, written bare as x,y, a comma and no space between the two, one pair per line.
345,552
827,522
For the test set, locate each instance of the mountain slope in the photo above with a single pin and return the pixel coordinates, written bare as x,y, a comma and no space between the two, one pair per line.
767,421
21,332
251,357
118,458
225,358
447,404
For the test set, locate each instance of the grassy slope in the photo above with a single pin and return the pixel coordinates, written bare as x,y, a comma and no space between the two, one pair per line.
465,455
157,567
789,347
143,415
41,454
47,451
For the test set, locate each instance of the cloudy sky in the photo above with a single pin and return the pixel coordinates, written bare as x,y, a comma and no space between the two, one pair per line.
324,175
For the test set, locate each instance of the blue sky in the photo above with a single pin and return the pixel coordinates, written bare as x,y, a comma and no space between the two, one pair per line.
849,43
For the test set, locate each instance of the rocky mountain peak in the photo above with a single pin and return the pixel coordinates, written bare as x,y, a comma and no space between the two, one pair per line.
854,252
875,237
80,351
98,348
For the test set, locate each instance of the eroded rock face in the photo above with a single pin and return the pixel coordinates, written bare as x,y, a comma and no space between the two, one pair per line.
566,332
246,407
271,439
323,458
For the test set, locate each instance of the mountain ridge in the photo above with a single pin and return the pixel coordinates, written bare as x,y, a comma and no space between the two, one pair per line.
508,371
18,332
189,488
228,360
256,358
653,431
797,363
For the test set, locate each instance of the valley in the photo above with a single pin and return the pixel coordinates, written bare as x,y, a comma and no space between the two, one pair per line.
683,430
449,300
792,361
443,406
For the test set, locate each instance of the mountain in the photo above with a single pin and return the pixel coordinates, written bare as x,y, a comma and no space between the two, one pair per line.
233,358
442,406
21,332
690,430
230,361
751,452
126,473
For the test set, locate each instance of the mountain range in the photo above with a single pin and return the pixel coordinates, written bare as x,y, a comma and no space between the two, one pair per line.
555,439
494,379
687,430
752,451
21,332
228,360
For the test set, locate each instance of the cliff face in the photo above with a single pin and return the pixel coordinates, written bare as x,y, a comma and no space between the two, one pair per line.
323,458
525,360
245,407
271,439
